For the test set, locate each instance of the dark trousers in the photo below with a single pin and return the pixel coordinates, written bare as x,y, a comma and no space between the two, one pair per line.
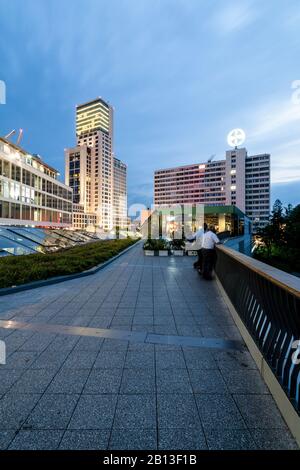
209,258
198,263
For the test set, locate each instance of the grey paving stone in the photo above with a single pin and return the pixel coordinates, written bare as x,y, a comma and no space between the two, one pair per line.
181,439
143,320
142,347
212,331
219,412
135,412
245,382
80,360
20,360
50,360
109,360
139,360
63,343
207,381
274,439
174,302
170,360
230,439
36,440
5,438
173,381
101,322
85,440
165,320
133,439
8,377
199,359
87,343
34,381
165,330
143,311
187,330
103,381
53,411
118,323
167,347
143,328
14,409
5,332
69,381
94,412
38,342
234,360
260,411
138,381
17,339
177,411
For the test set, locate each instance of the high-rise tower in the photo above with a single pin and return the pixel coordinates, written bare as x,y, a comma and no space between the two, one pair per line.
94,128
91,168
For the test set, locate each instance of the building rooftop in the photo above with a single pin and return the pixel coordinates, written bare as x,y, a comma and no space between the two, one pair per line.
34,157
95,101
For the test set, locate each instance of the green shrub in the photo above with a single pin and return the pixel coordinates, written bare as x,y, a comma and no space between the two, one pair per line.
16,270
156,245
177,244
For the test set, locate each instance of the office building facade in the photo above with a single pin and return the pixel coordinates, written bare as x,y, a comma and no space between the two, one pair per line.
239,180
90,167
30,193
120,194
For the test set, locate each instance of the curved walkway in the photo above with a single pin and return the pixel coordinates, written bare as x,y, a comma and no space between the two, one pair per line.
143,354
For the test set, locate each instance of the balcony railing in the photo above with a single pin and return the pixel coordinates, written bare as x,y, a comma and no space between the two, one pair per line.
267,301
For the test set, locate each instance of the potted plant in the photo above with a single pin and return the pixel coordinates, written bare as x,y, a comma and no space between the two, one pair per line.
162,247
156,247
177,247
149,248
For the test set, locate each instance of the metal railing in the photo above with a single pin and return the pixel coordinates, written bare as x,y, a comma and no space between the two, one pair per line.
268,303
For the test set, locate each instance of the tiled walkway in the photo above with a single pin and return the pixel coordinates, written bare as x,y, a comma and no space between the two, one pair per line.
73,388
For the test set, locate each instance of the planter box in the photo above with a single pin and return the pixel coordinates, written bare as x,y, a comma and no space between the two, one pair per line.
149,252
163,253
178,252
192,253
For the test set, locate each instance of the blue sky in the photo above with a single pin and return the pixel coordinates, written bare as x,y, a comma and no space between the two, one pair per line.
179,73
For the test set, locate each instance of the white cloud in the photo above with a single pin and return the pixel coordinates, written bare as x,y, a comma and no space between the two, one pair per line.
274,116
234,17
274,127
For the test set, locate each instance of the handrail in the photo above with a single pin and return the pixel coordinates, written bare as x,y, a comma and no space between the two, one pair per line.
281,278
267,301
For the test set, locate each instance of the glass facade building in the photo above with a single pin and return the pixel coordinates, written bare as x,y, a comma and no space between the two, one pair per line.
16,240
30,193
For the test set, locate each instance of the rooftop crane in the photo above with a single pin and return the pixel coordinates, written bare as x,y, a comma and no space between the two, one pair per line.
11,133
20,136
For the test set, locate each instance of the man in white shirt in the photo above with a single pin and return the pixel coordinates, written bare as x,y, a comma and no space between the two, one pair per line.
209,241
198,238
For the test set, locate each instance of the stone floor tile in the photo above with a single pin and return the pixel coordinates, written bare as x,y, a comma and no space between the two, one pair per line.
135,412
85,440
36,440
219,412
94,412
53,411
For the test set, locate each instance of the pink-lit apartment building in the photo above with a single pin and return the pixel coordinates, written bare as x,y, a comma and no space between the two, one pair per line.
239,180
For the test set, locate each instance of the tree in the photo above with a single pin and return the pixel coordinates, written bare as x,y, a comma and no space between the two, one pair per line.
280,238
277,223
272,234
292,229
